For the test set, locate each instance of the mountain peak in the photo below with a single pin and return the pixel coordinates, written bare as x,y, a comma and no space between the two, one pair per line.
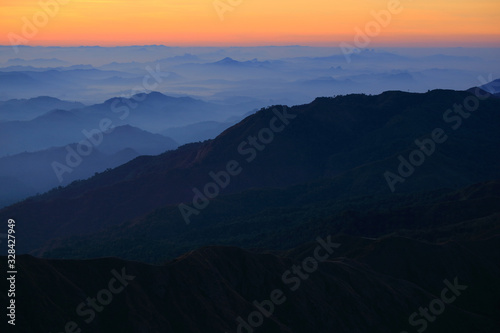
492,87
227,61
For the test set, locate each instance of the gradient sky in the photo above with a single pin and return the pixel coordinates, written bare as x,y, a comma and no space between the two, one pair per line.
253,22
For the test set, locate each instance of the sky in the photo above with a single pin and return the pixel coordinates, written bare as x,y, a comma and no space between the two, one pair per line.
249,22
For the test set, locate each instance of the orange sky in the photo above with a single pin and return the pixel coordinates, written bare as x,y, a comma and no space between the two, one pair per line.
250,22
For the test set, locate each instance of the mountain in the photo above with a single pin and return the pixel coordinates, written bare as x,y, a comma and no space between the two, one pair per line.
201,131
304,230
29,174
227,62
141,141
76,83
331,284
182,58
349,142
19,68
52,129
156,112
153,112
492,87
39,171
27,109
258,218
40,62
269,74
354,213
10,80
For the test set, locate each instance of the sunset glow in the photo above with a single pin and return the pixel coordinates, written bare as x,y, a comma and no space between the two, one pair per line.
247,22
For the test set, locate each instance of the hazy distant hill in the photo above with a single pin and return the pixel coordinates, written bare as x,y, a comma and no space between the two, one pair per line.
492,87
156,112
153,112
27,174
27,109
228,61
54,128
40,62
75,83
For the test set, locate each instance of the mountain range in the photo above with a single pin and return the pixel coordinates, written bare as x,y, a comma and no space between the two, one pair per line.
365,285
288,75
28,109
353,213
29,173
36,132
351,142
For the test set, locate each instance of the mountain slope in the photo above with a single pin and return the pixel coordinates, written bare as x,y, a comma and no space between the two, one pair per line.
27,109
354,139
260,218
153,112
197,132
357,287
38,172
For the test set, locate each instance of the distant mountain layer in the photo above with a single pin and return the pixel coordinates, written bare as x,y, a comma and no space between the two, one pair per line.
38,172
28,174
60,126
27,109
359,145
288,75
492,87
41,62
52,127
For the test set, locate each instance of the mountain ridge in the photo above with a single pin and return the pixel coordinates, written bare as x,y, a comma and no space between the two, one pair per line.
224,283
322,142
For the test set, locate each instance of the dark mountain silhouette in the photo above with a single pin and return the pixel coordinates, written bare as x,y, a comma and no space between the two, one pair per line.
260,217
363,286
352,140
197,132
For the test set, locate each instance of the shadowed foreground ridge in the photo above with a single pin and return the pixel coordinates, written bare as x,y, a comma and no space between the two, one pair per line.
362,287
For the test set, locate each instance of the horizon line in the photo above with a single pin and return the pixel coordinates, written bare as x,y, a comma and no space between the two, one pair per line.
252,46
